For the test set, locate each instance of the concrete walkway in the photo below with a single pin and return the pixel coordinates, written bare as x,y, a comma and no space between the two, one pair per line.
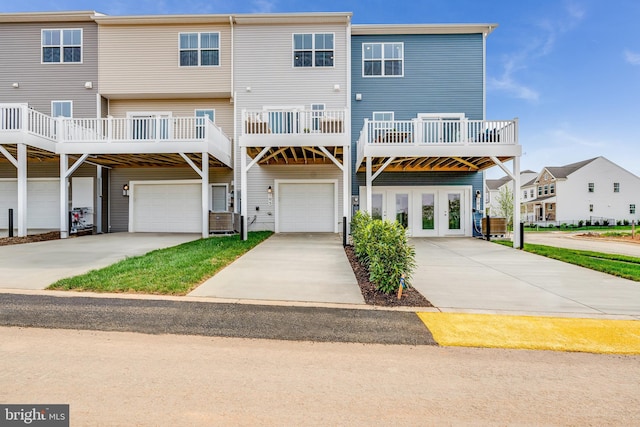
289,267
473,275
37,265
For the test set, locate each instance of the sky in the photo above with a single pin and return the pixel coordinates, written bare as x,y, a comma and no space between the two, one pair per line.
568,69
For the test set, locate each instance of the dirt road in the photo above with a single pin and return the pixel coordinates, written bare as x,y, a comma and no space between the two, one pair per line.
120,378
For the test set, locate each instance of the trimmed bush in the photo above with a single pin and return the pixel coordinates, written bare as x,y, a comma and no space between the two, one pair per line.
384,248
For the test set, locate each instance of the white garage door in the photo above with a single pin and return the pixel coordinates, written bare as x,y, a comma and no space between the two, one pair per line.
306,207
166,207
43,203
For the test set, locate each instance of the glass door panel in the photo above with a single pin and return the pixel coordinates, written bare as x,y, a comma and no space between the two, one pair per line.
402,209
454,211
427,211
377,210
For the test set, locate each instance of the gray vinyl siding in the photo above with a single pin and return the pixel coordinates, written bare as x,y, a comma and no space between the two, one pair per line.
443,73
261,177
119,204
263,56
21,59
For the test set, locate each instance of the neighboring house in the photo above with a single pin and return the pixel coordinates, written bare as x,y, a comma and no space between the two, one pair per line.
493,187
420,136
49,69
595,190
159,123
291,87
166,82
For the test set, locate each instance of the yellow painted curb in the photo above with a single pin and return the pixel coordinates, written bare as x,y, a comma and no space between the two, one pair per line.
535,333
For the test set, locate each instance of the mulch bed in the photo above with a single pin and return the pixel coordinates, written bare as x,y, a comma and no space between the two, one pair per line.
410,296
52,235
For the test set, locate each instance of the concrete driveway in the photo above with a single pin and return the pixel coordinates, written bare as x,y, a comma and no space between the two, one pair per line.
478,276
289,267
37,265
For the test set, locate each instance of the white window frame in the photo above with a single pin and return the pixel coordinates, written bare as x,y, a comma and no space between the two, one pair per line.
61,46
552,188
62,102
150,115
226,192
317,114
313,50
200,127
199,49
382,59
616,187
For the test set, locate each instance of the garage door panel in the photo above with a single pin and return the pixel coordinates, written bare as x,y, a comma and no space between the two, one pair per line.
167,207
43,203
306,207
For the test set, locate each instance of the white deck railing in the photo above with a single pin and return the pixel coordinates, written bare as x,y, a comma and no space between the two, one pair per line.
293,121
439,132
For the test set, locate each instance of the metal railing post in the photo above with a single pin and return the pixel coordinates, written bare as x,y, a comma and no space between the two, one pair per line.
521,235
10,222
488,228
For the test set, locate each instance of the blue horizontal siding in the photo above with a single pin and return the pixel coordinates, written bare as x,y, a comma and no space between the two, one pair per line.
443,73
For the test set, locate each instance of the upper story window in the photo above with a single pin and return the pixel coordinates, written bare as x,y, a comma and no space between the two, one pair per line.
313,50
632,209
62,46
61,108
539,190
591,187
383,59
531,193
552,188
616,187
525,194
546,190
199,49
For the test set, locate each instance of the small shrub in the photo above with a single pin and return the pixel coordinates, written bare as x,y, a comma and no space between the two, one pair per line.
587,223
605,222
626,222
384,248
580,223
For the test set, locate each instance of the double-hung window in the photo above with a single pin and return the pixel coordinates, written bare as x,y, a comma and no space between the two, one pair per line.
616,187
62,46
591,187
199,49
383,59
632,209
313,50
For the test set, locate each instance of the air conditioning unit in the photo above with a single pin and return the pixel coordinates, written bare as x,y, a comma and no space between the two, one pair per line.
221,222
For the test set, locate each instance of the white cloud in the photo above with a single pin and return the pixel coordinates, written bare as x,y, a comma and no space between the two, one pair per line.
632,58
548,32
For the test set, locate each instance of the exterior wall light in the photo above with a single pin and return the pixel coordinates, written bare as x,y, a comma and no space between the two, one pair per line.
88,85
270,196
125,190
16,85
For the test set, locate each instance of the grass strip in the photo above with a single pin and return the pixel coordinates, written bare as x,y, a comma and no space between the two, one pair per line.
617,265
170,271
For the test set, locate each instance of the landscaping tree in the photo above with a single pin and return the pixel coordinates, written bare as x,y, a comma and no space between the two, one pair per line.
505,204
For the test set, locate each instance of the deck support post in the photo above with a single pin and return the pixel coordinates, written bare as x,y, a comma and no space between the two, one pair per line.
22,190
64,196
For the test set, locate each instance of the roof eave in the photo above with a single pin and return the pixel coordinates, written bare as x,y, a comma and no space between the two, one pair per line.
396,29
25,17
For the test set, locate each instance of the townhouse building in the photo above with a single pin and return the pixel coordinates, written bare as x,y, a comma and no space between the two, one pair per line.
419,126
595,190
493,187
291,120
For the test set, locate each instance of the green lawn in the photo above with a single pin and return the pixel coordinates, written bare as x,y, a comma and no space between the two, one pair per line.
618,265
170,271
570,229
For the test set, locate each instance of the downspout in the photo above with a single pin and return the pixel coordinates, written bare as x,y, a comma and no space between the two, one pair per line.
235,123
347,159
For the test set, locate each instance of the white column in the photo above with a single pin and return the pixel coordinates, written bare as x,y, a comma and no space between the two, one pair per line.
516,202
22,190
64,196
243,190
205,194
369,184
98,213
346,185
